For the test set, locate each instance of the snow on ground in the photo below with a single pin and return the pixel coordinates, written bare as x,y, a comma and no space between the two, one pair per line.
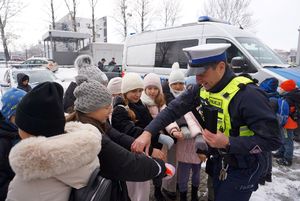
286,180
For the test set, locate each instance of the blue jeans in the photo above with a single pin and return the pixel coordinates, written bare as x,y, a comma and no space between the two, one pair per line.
287,149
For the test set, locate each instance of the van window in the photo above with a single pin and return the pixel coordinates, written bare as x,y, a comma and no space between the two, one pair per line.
231,52
167,53
262,53
134,58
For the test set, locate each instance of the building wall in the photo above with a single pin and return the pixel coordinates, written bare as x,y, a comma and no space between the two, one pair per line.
84,25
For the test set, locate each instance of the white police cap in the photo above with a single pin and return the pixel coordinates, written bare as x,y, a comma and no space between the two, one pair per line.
200,55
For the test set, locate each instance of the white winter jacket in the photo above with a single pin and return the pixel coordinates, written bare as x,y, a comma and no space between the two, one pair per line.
47,168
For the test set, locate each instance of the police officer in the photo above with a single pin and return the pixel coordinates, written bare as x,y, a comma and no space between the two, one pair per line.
246,129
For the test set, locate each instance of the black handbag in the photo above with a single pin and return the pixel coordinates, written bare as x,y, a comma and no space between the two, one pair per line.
97,189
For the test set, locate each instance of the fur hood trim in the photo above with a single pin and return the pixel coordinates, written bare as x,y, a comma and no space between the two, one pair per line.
41,157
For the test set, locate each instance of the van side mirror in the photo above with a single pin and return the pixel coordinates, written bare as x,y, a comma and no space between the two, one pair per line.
239,65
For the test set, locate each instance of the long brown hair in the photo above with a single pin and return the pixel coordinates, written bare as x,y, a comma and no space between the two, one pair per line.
160,99
131,113
83,118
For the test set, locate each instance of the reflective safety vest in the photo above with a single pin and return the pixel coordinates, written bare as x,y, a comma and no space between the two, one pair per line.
221,100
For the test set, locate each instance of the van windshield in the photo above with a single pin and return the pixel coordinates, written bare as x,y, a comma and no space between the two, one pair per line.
262,53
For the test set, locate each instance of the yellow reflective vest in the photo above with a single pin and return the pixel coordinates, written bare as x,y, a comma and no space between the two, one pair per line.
221,100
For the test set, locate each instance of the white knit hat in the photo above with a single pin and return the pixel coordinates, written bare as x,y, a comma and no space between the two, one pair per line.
176,75
152,79
131,81
114,85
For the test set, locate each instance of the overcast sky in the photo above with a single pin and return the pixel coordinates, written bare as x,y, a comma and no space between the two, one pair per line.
277,20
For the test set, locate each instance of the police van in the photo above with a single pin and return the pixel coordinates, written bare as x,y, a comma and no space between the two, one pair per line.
155,51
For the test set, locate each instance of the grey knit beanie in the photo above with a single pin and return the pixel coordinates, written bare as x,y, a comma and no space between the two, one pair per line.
85,66
90,95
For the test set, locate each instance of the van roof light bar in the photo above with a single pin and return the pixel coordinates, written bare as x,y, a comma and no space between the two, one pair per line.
211,19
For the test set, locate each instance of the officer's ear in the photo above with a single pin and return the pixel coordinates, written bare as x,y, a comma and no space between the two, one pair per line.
221,66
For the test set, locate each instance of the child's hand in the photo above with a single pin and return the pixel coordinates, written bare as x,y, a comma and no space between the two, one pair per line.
178,135
156,153
202,157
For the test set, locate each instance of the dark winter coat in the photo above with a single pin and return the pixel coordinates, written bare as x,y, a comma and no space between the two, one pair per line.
69,98
20,78
120,165
8,137
123,123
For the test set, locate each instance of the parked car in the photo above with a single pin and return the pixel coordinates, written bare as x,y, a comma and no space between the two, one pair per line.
38,62
112,71
36,76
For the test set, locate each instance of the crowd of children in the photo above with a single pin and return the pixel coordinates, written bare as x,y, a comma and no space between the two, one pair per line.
109,117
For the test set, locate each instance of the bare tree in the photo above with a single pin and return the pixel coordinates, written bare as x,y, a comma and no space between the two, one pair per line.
52,15
93,4
235,12
8,9
143,12
72,12
122,16
169,10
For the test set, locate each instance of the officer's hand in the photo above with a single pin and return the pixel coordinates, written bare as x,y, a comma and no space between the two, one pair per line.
141,143
218,140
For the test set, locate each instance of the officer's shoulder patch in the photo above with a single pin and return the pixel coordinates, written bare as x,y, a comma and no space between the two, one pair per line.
256,150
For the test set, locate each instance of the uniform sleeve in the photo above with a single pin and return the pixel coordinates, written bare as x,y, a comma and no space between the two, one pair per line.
251,107
176,108
119,164
122,122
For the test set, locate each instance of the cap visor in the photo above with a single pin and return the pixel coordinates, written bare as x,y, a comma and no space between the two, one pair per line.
195,71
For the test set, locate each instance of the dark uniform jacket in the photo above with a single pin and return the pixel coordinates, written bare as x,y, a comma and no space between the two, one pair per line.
249,107
8,137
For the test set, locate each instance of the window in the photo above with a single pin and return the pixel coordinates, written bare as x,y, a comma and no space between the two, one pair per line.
166,53
262,53
231,52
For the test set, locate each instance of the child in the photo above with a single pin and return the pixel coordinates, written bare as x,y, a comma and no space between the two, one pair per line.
8,135
47,161
23,82
84,65
185,148
93,106
153,98
114,86
131,116
285,153
281,108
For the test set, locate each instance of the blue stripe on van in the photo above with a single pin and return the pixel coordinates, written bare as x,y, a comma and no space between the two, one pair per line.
288,73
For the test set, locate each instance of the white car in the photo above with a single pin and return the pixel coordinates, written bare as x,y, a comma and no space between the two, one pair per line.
38,62
36,76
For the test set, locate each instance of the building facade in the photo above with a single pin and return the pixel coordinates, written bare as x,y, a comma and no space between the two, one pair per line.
84,25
